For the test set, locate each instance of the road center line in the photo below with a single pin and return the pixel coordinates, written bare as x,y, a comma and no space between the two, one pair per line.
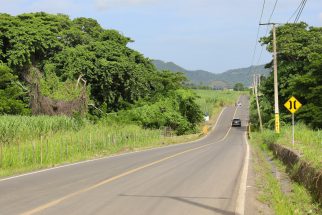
59,200
110,156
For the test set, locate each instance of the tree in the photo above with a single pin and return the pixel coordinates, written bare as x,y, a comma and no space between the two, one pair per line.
299,70
239,87
11,93
50,53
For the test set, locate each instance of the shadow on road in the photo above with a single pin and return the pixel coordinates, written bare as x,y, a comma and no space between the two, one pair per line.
188,201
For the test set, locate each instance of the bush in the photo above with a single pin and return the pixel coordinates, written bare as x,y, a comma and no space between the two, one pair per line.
178,111
11,94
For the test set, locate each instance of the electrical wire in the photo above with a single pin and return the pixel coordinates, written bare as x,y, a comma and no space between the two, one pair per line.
267,29
300,12
258,29
296,11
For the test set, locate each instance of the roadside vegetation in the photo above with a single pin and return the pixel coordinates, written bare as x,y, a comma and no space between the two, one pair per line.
299,66
100,97
207,99
276,189
308,143
34,142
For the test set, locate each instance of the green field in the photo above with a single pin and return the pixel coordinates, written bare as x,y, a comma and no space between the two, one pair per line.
211,101
34,142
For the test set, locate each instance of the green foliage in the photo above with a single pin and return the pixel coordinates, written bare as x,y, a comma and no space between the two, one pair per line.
11,94
52,87
299,70
296,199
29,38
30,127
239,87
118,77
208,99
178,111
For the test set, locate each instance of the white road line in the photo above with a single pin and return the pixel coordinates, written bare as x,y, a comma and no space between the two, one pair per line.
240,204
111,156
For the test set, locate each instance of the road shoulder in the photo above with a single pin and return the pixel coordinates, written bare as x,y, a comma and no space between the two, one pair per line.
252,204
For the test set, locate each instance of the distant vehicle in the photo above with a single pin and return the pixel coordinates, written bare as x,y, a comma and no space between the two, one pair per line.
236,123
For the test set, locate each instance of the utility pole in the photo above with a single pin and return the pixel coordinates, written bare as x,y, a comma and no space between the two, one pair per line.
257,102
277,115
253,84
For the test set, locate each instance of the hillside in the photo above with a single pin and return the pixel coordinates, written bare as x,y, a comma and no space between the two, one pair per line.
221,80
198,77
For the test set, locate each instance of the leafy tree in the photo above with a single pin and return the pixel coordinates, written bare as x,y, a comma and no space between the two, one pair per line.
299,70
10,93
239,87
118,77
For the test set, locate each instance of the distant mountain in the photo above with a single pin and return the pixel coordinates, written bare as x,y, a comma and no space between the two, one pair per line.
222,80
198,77
242,75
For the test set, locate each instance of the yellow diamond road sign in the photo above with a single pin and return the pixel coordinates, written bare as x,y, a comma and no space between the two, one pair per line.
293,104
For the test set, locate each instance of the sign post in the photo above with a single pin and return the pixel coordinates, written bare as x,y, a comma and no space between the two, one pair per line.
293,105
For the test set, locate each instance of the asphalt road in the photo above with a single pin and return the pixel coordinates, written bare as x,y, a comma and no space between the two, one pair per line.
203,177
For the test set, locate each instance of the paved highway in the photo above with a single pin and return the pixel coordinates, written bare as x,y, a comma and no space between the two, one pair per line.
207,176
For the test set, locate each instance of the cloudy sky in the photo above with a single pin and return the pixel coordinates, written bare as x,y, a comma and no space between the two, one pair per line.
212,35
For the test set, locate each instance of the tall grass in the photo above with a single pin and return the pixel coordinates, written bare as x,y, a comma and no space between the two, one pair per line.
210,101
68,146
13,128
34,142
307,142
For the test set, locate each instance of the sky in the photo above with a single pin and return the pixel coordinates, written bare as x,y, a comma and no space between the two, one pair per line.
213,35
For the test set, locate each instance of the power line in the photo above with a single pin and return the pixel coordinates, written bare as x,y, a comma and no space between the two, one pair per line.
271,16
269,20
258,29
300,12
296,11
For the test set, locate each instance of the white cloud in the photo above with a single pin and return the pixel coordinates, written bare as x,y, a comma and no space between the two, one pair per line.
106,4
320,16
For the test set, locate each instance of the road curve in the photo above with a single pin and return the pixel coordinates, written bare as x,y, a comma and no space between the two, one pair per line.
203,177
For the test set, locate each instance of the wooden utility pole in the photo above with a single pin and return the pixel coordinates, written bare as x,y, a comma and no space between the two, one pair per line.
253,84
277,113
257,102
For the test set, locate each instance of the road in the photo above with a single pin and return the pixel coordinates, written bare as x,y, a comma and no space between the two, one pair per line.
203,177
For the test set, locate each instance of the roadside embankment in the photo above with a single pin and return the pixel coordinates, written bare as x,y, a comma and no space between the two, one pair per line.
300,171
303,160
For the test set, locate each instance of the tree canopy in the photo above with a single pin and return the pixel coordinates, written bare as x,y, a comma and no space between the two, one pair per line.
11,93
299,71
239,87
63,50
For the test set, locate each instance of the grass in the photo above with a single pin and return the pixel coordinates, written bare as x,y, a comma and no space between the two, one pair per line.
30,143
296,201
212,100
16,128
70,146
307,142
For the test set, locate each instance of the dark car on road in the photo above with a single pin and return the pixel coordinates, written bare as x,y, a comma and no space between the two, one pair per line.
236,123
